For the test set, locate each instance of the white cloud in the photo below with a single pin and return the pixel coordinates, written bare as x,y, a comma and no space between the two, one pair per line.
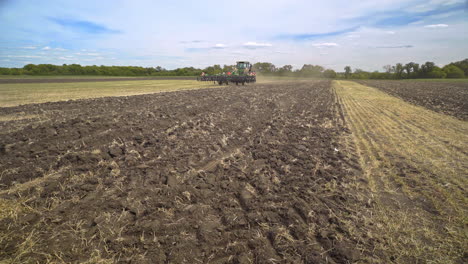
22,56
253,45
57,49
219,46
88,54
325,45
436,26
29,47
390,32
66,58
431,4
281,52
353,36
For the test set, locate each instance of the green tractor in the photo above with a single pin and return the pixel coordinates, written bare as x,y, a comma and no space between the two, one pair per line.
242,74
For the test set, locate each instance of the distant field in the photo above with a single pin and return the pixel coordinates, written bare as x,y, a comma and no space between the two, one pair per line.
73,78
60,77
448,97
84,77
27,93
69,79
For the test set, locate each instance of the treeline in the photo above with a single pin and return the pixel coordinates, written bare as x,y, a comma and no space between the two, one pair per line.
412,70
262,68
76,69
307,70
399,71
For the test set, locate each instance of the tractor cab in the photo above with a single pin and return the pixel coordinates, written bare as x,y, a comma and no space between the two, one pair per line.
244,67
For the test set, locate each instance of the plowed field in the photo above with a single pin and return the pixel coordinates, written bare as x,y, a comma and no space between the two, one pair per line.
279,172
256,174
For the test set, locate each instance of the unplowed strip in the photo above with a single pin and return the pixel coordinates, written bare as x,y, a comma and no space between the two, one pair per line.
417,165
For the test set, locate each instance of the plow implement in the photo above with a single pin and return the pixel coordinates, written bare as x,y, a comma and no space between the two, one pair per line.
226,79
241,74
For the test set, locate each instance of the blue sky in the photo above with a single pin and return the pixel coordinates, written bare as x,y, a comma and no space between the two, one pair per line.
365,34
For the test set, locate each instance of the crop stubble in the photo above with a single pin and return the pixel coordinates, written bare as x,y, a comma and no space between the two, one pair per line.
416,163
257,174
448,97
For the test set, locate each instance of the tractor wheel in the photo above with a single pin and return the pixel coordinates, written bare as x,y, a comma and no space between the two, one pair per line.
220,82
243,83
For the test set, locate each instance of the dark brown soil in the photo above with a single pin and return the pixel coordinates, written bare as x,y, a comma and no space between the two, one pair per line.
253,174
450,98
70,80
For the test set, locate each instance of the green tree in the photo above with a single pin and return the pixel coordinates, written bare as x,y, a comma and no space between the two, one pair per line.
309,70
285,70
5,71
380,75
228,68
360,74
16,71
30,69
329,74
436,73
347,72
463,65
388,68
426,69
453,71
409,69
217,69
266,68
415,71
399,68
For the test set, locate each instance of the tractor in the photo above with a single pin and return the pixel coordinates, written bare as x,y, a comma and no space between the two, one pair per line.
242,74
